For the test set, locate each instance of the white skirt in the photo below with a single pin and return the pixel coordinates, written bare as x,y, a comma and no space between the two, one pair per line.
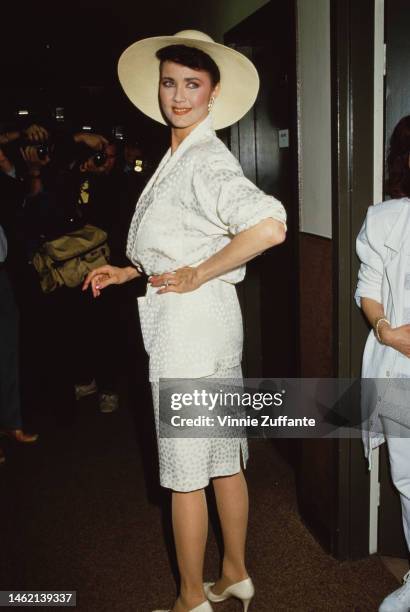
187,464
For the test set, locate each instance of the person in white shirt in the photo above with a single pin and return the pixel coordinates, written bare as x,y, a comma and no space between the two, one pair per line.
196,224
383,292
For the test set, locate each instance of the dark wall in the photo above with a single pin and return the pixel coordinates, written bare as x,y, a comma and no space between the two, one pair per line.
65,54
80,42
397,62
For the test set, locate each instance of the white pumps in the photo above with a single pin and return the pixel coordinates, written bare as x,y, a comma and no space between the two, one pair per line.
203,607
243,590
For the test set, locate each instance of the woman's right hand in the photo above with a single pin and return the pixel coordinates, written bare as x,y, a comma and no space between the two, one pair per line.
397,338
106,275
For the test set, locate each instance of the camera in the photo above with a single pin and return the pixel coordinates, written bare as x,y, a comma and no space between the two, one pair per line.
43,150
13,149
85,153
99,159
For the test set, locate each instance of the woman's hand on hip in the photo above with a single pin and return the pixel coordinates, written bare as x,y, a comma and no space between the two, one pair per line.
182,280
108,275
397,338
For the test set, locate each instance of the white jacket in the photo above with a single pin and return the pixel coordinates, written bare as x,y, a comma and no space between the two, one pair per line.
195,202
383,247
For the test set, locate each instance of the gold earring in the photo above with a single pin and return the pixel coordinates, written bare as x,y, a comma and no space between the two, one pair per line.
211,103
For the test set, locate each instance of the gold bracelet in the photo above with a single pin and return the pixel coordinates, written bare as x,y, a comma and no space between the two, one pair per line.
377,325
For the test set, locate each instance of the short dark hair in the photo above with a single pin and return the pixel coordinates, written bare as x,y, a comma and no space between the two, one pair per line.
192,57
398,184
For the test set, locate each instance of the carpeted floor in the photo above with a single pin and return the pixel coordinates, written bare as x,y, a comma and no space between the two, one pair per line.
81,511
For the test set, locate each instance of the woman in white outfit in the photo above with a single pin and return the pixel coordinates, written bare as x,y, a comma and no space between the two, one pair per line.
196,224
383,292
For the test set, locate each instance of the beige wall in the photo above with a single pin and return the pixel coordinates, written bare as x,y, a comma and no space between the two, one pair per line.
315,170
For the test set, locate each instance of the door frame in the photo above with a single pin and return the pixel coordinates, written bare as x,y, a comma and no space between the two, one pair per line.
378,196
356,153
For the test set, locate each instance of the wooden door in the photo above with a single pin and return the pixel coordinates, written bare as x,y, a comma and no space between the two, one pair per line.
269,293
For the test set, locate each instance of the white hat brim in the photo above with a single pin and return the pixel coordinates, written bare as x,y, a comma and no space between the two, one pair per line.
138,72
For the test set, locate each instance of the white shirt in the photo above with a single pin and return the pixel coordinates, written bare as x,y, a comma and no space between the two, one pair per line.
383,247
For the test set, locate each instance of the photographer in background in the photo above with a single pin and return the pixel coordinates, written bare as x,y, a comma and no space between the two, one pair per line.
83,192
10,410
23,155
14,185
114,186
99,194
59,183
111,183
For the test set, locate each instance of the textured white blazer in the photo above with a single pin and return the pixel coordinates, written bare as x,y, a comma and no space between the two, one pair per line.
383,247
195,202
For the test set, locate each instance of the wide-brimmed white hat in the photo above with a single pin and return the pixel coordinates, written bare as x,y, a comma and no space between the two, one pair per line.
138,71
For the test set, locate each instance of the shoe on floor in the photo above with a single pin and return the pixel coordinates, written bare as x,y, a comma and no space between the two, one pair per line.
399,600
20,436
243,590
84,390
108,402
